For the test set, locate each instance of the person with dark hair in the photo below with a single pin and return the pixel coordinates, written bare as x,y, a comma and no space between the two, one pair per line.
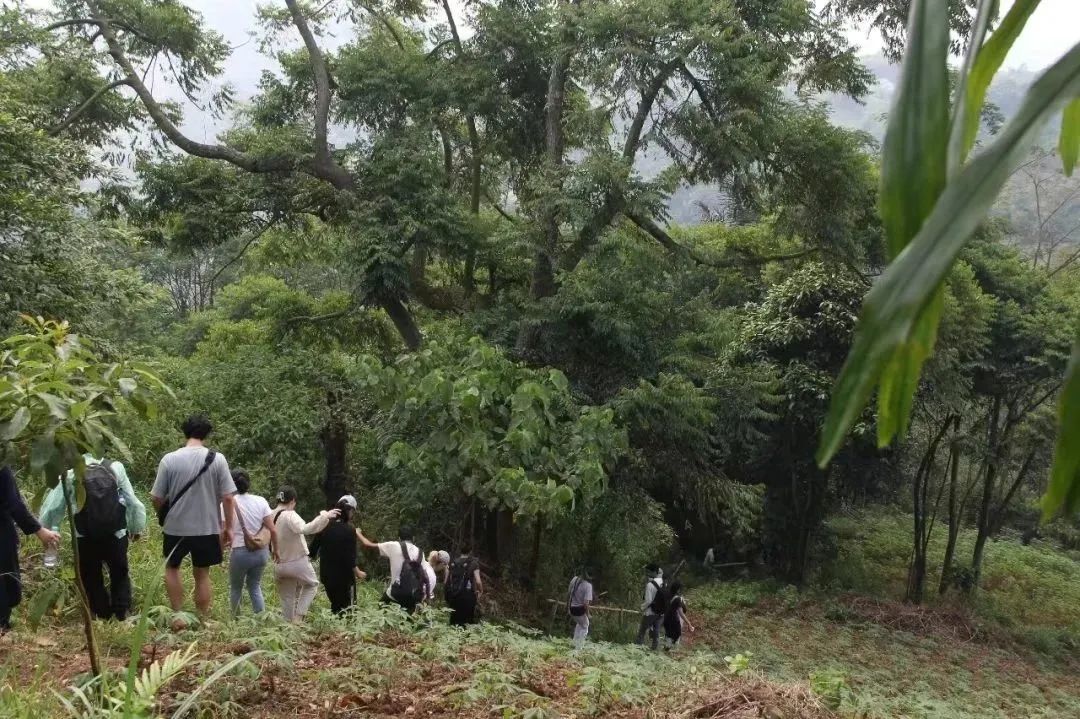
339,564
578,602
409,583
252,535
653,606
295,577
14,513
193,494
111,514
675,618
197,426
464,588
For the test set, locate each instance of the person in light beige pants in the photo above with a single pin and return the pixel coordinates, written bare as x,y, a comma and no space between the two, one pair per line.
297,586
295,577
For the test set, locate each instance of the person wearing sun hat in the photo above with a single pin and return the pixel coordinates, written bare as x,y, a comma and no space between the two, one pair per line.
339,562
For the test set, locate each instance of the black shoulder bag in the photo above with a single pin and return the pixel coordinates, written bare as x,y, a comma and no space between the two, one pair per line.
168,504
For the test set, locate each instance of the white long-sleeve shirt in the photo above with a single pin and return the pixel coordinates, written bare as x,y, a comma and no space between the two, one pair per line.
291,529
650,594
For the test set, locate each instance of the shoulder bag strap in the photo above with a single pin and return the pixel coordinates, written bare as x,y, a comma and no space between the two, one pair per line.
210,455
240,520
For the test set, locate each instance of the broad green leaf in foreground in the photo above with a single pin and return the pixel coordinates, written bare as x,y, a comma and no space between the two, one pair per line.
1064,489
1069,145
904,292
987,11
987,62
913,175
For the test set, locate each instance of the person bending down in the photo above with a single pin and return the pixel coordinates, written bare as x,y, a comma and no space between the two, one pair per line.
409,582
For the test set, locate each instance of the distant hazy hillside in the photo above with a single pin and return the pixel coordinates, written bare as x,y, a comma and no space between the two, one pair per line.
1055,207
1007,92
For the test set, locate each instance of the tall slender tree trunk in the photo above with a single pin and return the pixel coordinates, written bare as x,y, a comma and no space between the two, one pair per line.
534,556
84,600
542,280
920,493
476,166
954,513
989,480
403,321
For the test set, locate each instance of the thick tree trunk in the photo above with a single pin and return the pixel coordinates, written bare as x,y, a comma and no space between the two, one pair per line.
335,441
534,556
403,320
542,282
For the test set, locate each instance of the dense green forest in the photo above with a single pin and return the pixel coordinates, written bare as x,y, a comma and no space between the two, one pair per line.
569,282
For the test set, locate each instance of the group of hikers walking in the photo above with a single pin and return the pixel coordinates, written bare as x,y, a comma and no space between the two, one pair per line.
205,510
662,606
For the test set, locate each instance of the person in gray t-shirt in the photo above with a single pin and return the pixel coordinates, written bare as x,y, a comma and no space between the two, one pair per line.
194,524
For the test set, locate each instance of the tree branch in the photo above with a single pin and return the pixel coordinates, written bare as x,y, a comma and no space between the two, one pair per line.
70,23
78,112
648,98
168,127
470,121
654,230
498,208
385,23
695,83
334,173
261,231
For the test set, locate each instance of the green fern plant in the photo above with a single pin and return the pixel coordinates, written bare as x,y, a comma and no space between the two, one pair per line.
102,698
832,688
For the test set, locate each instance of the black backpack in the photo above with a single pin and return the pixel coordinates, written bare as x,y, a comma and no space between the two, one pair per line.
461,578
411,587
660,600
102,514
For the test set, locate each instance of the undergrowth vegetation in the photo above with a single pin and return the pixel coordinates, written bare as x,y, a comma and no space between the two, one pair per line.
841,648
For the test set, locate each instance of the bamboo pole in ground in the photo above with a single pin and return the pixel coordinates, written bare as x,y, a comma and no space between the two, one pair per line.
592,607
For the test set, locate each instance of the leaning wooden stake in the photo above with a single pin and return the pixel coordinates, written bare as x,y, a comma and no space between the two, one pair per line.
84,603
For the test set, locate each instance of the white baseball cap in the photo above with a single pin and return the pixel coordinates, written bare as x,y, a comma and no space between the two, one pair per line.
348,500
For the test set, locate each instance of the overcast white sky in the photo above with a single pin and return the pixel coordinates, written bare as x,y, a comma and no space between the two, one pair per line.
1052,30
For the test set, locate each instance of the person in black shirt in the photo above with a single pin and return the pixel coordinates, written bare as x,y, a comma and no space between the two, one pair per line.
14,512
339,567
464,587
675,616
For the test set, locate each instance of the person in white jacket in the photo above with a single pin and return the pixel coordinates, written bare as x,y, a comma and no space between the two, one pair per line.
653,606
295,577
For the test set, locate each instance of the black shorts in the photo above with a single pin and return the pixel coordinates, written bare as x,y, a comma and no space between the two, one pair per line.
205,550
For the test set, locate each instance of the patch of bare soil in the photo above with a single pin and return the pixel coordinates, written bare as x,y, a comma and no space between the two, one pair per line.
938,622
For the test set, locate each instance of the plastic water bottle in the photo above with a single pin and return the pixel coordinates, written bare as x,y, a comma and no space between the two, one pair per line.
52,556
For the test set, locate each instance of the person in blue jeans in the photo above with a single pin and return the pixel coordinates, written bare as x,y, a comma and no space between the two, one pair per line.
246,566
